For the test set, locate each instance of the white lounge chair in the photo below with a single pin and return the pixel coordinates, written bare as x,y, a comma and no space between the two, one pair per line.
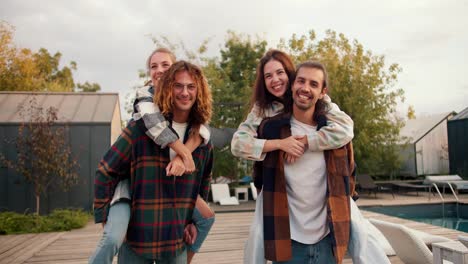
407,243
222,195
254,191
463,240
442,181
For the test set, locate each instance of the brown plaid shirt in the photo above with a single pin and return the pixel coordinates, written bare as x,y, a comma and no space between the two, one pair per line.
269,175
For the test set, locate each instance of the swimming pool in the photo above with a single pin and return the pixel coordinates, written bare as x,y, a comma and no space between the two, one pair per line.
428,213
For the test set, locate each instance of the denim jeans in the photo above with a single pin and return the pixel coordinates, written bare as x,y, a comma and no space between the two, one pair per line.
319,253
113,235
203,226
116,228
128,256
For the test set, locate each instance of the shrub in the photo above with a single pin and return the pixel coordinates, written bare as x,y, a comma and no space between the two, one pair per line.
58,220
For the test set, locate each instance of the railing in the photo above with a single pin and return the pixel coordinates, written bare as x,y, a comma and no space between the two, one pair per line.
442,198
453,191
456,197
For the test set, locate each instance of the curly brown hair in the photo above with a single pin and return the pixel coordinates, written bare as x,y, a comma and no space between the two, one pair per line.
202,109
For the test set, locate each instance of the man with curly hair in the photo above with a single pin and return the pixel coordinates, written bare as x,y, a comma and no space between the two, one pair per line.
162,205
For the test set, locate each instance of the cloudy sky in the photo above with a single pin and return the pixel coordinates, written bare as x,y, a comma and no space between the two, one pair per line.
110,40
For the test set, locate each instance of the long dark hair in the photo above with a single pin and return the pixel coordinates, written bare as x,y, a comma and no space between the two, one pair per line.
261,96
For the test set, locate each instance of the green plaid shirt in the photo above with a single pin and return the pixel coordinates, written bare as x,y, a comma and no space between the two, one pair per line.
161,206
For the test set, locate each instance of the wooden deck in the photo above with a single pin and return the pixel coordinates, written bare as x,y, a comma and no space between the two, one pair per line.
224,244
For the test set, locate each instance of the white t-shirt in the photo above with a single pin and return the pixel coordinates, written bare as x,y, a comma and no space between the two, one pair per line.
180,129
306,184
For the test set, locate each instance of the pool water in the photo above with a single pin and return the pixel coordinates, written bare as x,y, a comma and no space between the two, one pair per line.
434,214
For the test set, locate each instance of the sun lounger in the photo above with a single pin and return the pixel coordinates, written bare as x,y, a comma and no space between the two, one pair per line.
222,195
254,191
442,181
366,182
408,244
463,240
415,187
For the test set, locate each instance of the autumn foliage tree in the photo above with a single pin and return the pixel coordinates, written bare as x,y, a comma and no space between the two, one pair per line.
44,156
22,69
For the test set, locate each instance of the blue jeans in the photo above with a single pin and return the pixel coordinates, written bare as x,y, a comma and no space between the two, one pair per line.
318,253
116,228
203,226
113,235
128,256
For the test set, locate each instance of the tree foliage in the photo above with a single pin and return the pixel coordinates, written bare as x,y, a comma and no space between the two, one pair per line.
411,114
88,87
361,83
363,86
232,78
22,69
44,156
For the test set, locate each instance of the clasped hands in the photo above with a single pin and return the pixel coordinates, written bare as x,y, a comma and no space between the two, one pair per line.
294,147
180,166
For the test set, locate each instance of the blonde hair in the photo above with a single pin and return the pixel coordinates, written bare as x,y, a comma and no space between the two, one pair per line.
161,50
202,108
148,61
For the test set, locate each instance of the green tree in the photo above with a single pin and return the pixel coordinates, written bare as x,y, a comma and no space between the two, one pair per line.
44,156
26,70
363,85
88,87
232,78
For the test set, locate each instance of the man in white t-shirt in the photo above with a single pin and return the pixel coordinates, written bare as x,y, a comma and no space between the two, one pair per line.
306,181
306,203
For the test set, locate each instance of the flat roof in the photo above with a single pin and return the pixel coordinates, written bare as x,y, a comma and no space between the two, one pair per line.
72,107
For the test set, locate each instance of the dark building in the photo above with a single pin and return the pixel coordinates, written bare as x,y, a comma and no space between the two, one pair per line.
458,144
94,123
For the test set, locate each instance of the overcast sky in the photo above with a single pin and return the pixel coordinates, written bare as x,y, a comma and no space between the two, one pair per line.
109,39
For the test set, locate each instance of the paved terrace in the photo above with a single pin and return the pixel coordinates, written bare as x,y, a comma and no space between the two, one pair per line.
224,245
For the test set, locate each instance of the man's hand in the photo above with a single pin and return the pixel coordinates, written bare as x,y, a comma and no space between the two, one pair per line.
190,234
175,167
290,159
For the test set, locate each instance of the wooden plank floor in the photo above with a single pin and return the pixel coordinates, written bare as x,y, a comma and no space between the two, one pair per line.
224,244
